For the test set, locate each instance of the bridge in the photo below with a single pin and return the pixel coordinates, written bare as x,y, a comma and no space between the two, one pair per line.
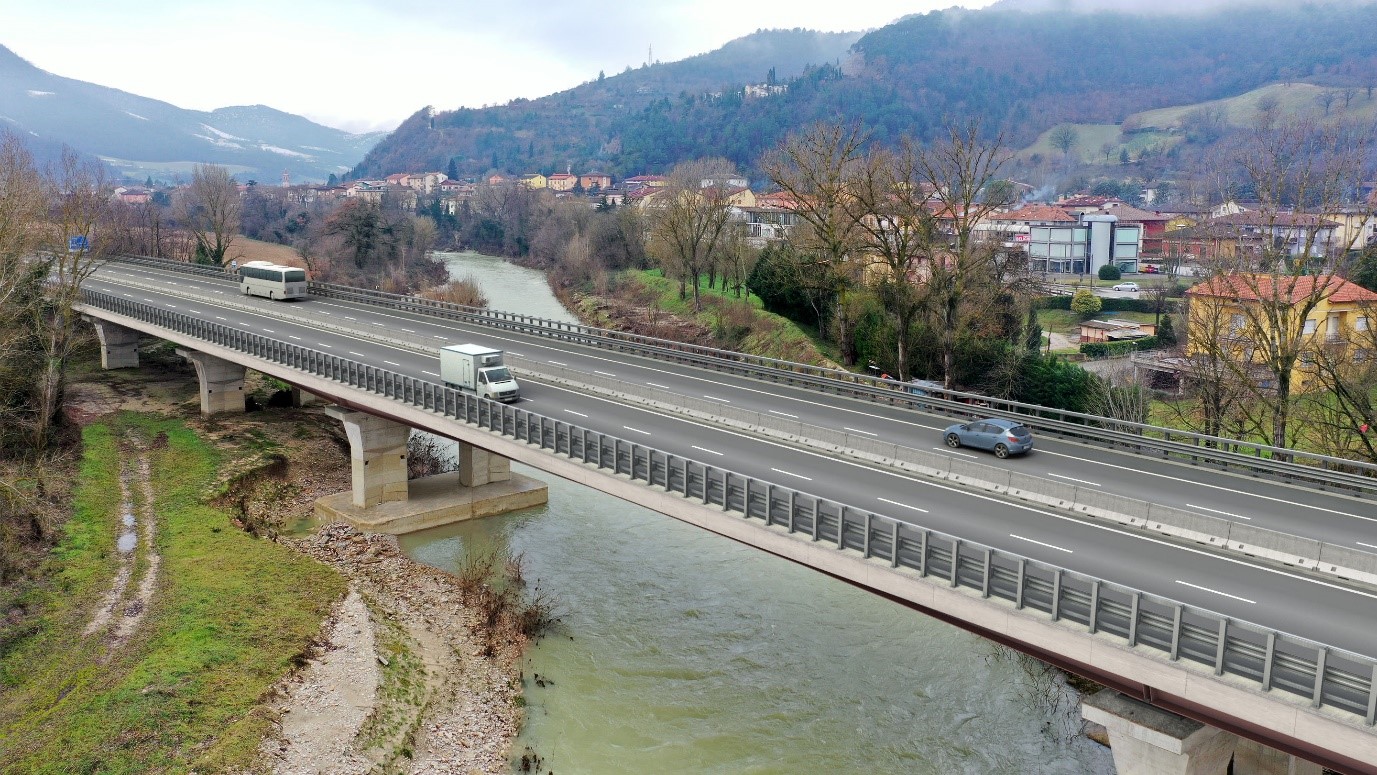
1238,602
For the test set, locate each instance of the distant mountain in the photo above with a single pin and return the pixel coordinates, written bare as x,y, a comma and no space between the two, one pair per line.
139,136
1018,71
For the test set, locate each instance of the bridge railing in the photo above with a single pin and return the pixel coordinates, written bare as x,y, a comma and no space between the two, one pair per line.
1270,659
1311,469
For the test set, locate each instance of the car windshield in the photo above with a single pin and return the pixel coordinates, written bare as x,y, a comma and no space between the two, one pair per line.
498,375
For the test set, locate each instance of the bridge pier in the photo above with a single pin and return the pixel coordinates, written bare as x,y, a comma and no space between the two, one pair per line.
119,346
222,383
1151,741
384,501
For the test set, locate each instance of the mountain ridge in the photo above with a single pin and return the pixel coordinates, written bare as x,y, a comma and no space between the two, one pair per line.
141,136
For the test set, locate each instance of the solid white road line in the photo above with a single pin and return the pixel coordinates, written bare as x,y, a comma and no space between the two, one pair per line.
636,430
1216,592
361,355
392,363
787,473
269,330
709,451
289,336
784,414
902,505
1069,479
322,344
580,414
1370,546
1216,511
557,363
1040,543
713,398
858,430
430,374
605,373
662,387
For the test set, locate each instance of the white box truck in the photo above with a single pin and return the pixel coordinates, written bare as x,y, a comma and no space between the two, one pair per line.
477,368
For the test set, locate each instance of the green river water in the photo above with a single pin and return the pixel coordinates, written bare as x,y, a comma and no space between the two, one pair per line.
680,651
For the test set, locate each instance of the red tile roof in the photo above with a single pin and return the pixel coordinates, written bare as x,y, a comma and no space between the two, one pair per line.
1295,289
1035,213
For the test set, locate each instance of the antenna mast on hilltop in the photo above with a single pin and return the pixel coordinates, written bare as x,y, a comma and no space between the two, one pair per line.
650,55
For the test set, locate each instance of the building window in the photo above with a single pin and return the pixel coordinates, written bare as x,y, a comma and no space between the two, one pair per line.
1360,355
1360,323
1309,326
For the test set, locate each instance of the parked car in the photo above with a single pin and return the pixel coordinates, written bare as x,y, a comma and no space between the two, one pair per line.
1003,437
1131,287
1151,269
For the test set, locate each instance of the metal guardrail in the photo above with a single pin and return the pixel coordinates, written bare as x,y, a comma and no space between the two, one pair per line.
1322,471
1270,659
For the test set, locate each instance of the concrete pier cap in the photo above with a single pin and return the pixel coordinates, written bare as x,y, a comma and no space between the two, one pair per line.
221,383
382,499
1151,741
119,346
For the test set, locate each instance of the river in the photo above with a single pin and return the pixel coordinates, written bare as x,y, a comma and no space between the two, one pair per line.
680,651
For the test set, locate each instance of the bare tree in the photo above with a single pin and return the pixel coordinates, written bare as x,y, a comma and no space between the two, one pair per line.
210,209
1064,138
689,222
23,202
816,168
963,270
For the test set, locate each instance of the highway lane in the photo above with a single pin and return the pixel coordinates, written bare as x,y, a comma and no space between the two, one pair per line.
1328,517
1293,603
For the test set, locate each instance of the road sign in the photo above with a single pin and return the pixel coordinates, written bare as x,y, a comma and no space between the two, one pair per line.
77,244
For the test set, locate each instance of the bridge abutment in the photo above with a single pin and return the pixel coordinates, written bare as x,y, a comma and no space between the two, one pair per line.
1151,741
119,346
384,501
222,383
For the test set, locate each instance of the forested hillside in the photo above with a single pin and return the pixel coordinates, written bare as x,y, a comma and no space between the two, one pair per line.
1022,72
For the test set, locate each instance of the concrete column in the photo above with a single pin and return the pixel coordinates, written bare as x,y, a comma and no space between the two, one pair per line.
119,346
1253,758
377,453
1149,741
222,383
478,466
302,398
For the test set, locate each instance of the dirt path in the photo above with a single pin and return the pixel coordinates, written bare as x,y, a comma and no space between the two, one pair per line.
119,613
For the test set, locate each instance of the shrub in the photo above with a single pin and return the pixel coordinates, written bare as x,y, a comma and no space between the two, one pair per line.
1107,349
1110,272
1085,303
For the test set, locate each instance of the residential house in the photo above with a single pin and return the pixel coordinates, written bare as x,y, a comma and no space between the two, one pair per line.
1315,311
562,181
1357,227
631,185
595,180
1058,242
497,179
610,197
1087,203
767,222
535,180
1154,225
1254,233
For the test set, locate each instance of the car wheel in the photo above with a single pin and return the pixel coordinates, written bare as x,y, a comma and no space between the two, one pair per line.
1001,451
953,440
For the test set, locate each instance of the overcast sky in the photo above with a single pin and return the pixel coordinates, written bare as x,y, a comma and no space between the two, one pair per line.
368,64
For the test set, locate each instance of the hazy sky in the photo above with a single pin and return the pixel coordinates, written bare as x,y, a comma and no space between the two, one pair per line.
368,64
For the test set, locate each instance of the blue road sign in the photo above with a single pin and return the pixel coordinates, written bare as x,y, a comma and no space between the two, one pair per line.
77,244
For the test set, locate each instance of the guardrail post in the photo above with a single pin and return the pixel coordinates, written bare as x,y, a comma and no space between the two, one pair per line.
894,544
727,488
792,497
1134,605
1176,633
1372,697
769,504
746,497
955,560
841,527
985,580
1320,659
1094,606
817,516
923,552
865,544
684,470
1270,657
669,472
1056,595
1018,590
1220,645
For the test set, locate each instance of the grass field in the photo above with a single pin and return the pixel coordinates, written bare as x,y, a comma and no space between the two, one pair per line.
1294,99
230,616
1091,140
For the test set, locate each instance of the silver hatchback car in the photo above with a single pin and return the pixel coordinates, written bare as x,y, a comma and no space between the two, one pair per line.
1003,437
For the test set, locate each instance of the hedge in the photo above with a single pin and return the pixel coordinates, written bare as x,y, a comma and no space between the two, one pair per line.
1109,305
1123,347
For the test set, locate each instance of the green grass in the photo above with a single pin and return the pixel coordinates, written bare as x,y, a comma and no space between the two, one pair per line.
1090,142
231,615
1295,99
1064,321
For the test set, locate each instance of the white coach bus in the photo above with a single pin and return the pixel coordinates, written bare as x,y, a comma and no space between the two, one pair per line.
264,278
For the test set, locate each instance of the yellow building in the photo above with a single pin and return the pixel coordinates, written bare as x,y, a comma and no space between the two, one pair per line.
1318,317
535,180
